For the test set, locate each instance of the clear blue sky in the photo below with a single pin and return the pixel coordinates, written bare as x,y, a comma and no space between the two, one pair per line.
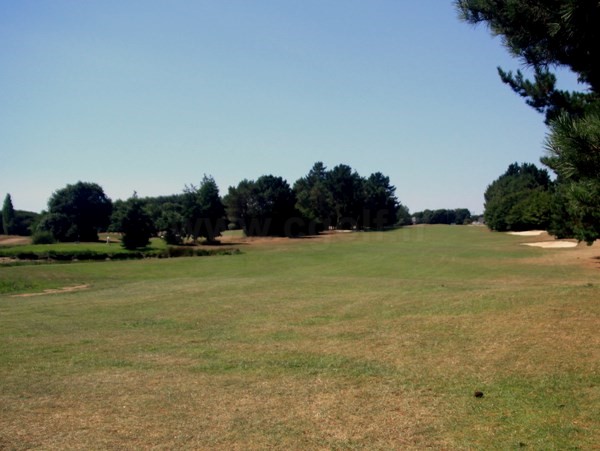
150,95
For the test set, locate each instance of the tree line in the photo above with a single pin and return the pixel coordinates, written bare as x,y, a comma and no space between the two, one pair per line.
324,199
522,199
444,216
16,222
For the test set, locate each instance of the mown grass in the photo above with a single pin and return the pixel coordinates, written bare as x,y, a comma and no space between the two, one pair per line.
68,252
362,340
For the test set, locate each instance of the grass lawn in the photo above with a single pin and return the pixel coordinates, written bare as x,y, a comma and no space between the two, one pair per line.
100,246
357,340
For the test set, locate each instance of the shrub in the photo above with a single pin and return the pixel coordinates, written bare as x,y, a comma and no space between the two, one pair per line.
172,237
43,237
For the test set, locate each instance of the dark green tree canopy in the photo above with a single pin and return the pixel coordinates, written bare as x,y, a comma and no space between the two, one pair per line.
342,199
314,200
520,199
443,216
166,213
381,207
347,191
135,224
25,222
265,207
77,212
573,152
171,223
8,216
203,211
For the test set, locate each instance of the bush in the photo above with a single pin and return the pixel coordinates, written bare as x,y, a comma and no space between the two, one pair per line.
172,237
43,237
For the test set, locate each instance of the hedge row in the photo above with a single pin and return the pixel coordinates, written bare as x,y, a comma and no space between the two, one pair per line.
82,255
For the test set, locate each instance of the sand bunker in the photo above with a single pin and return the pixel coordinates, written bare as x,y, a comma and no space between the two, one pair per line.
528,233
552,244
52,291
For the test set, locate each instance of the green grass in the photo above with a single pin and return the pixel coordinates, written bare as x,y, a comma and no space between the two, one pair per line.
67,252
99,247
363,340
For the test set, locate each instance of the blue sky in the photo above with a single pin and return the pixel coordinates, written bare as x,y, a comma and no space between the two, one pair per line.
150,95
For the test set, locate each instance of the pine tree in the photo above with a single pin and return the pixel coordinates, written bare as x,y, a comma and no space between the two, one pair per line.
203,210
8,215
546,34
314,200
573,147
212,211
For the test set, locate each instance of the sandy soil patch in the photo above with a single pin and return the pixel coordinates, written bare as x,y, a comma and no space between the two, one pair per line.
8,240
552,244
52,291
528,233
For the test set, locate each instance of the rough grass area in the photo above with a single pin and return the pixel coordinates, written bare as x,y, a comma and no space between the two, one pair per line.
359,340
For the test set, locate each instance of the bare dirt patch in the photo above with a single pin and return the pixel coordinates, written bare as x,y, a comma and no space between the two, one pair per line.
52,291
9,240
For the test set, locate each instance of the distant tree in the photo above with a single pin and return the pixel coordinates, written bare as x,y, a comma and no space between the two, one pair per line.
403,217
171,223
155,206
421,217
342,199
462,216
203,211
164,211
237,202
136,225
443,216
314,199
380,206
520,199
25,222
8,216
77,212
347,190
117,214
265,207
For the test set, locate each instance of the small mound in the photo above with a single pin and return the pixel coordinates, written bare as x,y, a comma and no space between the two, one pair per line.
552,244
528,233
